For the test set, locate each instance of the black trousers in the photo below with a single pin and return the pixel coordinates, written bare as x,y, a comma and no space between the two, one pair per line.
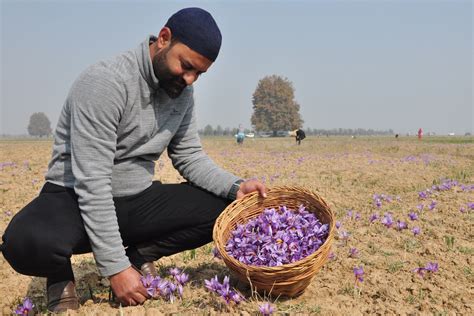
162,220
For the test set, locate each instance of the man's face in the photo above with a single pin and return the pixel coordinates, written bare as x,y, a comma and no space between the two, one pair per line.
177,66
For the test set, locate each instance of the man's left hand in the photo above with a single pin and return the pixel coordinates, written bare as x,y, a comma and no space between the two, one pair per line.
251,186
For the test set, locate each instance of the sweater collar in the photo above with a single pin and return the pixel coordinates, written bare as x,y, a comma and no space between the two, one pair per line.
144,62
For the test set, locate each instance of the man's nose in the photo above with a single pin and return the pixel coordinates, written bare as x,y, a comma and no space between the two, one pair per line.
189,77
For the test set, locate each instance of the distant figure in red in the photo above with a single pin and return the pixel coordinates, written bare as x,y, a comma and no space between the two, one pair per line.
420,134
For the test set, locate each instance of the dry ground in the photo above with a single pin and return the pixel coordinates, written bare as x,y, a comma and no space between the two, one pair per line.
346,172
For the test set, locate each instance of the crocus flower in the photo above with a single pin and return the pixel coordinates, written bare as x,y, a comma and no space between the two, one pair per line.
213,284
432,205
420,207
359,274
181,278
357,216
416,230
149,282
353,252
223,289
338,224
378,203
401,225
462,209
373,217
344,235
413,216
266,309
175,271
470,205
420,271
216,253
387,220
23,309
431,267
422,195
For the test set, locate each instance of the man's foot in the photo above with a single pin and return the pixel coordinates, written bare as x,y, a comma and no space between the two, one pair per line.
148,268
62,296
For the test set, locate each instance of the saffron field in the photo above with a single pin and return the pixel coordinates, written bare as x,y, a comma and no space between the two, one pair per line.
404,242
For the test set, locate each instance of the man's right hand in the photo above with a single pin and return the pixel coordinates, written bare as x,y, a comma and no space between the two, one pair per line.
128,288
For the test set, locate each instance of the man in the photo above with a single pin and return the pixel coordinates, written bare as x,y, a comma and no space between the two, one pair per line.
119,116
300,135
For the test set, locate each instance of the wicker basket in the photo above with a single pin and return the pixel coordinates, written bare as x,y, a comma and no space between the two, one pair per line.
285,280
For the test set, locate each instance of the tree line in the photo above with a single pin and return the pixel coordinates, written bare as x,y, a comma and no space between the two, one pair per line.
209,130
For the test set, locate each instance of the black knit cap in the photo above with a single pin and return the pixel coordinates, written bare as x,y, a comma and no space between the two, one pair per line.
197,29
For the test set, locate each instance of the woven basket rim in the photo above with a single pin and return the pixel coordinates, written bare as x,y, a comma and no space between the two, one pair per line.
254,268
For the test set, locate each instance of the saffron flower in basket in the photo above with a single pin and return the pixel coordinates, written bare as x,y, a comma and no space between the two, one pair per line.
277,237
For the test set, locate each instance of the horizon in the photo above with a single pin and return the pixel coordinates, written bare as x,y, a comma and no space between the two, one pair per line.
371,65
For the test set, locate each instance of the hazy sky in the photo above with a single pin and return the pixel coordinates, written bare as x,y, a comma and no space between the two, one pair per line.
369,64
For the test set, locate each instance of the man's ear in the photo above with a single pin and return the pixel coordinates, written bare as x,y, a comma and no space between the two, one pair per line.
164,37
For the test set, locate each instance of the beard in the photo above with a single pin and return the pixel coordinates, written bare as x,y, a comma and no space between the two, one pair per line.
171,83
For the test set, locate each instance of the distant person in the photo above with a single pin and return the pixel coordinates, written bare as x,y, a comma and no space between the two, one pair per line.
300,135
420,134
396,135
120,115
240,135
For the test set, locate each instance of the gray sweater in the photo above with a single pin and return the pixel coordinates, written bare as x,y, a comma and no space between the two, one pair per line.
115,123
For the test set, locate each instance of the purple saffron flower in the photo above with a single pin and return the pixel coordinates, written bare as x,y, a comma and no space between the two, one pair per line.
420,271
373,217
378,203
359,274
332,256
338,224
213,284
353,252
224,290
216,253
432,205
174,271
416,230
23,309
420,207
180,290
462,209
171,289
343,235
401,225
387,220
422,195
266,309
357,216
470,205
8,213
431,267
236,297
413,216
181,278
349,213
